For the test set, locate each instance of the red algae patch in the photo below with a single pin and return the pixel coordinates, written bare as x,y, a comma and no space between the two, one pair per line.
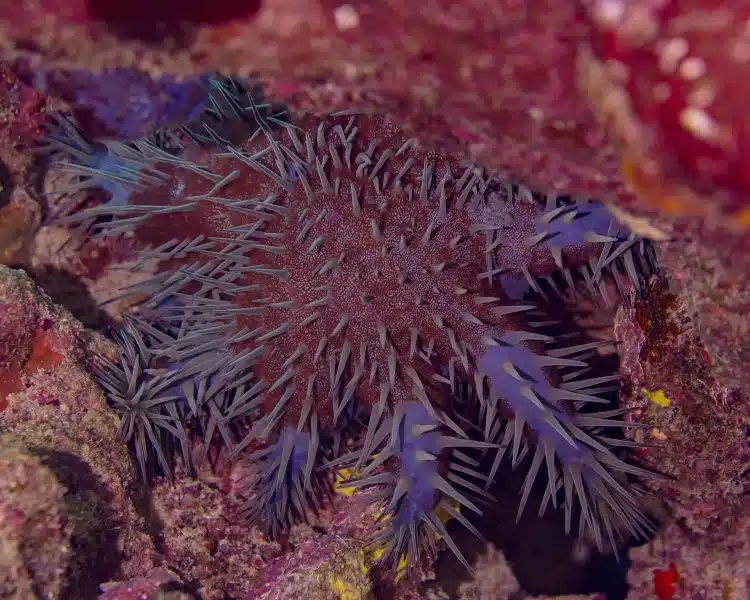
35,335
668,81
42,357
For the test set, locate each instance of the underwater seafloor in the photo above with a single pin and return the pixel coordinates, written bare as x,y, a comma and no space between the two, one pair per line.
595,196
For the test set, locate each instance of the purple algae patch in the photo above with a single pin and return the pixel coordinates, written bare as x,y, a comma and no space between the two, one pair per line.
572,223
421,496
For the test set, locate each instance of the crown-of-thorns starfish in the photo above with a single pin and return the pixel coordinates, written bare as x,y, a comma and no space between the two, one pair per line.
346,255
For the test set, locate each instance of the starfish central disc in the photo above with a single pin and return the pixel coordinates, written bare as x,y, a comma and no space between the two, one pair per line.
364,272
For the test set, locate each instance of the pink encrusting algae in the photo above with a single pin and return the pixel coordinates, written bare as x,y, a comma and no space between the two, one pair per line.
322,272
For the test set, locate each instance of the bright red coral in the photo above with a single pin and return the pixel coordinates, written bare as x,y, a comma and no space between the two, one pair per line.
665,582
668,78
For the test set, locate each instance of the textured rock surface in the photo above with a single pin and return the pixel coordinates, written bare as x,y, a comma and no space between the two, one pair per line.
328,568
204,535
692,566
700,423
157,583
21,114
714,293
56,411
34,532
494,580
332,565
700,428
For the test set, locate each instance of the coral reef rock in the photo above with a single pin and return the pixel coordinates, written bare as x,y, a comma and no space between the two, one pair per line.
327,568
55,410
34,533
157,583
